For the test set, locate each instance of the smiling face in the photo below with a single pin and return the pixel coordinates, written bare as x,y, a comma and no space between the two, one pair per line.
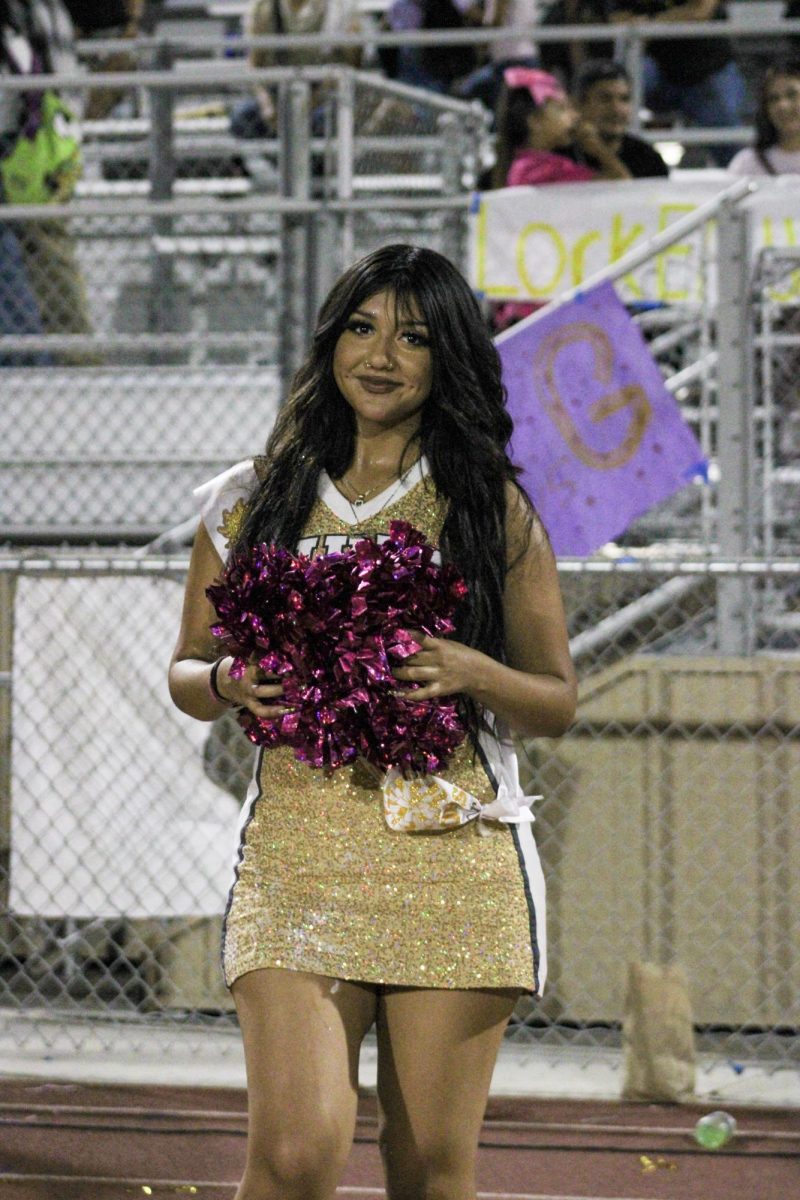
782,99
382,364
607,104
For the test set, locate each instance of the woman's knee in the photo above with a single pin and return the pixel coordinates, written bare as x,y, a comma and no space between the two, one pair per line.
437,1166
301,1164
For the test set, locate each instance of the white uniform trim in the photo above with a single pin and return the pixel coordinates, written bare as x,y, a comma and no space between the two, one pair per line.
341,507
535,890
500,762
221,494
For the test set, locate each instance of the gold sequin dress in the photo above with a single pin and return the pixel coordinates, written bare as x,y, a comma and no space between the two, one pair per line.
321,883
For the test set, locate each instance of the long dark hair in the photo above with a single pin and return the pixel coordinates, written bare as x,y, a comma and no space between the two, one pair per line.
464,429
766,133
514,107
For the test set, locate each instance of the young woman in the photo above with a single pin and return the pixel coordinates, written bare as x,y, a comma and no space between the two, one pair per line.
777,143
535,121
335,922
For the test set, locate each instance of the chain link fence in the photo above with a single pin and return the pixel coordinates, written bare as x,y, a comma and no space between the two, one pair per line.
777,345
667,829
170,280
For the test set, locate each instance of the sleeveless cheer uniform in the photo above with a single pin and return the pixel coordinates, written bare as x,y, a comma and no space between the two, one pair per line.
321,883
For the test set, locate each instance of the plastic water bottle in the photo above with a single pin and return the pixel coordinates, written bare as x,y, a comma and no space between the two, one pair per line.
715,1130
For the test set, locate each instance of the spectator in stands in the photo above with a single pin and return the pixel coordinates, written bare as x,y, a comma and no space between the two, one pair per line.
603,95
437,68
536,124
776,150
107,19
37,36
697,77
19,308
485,82
265,18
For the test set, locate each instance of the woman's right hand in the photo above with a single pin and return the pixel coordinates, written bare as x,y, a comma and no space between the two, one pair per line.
260,693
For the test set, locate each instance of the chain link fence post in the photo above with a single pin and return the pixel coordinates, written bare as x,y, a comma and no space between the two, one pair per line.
452,135
161,172
345,160
294,115
735,492
7,589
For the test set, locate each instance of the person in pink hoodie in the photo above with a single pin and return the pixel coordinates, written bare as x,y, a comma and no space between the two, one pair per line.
535,120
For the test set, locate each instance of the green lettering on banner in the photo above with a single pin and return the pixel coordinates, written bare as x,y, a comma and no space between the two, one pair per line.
621,244
791,240
483,241
679,250
545,289
579,254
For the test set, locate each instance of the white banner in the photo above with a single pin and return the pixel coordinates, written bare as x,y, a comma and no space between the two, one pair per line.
532,243
112,813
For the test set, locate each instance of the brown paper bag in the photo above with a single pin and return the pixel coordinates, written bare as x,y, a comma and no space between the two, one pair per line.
657,1034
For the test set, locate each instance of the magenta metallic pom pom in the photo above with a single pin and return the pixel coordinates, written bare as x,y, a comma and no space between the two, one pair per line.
333,627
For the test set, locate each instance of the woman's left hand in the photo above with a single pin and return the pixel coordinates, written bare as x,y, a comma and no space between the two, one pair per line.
443,667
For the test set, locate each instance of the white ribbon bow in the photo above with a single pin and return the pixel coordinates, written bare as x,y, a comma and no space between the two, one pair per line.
428,802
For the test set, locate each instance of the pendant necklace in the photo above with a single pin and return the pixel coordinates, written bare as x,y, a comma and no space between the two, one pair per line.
361,498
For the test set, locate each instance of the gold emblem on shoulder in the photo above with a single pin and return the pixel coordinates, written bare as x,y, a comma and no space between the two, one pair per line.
232,522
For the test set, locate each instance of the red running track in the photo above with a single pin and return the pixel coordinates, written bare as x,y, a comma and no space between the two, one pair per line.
64,1141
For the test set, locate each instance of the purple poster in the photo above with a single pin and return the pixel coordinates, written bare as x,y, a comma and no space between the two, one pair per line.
599,438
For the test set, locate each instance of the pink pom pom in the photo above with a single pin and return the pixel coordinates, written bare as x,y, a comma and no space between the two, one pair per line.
331,627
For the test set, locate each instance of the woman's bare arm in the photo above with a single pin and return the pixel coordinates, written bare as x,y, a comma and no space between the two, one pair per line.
196,650
535,690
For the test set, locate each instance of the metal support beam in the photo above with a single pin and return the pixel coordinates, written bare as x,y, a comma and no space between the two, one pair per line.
162,316
735,491
451,132
345,160
294,115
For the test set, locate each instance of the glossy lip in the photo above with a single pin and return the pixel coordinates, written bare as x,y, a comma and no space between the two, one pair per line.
378,383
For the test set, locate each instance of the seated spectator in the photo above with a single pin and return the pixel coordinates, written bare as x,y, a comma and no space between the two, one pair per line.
256,117
536,124
41,285
436,68
485,82
777,142
603,95
697,77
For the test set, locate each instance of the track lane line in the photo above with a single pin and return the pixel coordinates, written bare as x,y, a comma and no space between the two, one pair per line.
367,1191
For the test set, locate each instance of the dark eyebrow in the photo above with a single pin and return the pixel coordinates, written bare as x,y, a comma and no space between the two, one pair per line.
364,312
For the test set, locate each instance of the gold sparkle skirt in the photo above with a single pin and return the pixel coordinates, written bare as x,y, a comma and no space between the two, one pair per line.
323,885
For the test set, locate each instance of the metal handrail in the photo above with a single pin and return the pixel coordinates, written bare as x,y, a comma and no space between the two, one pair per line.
633,30
260,204
239,71
631,562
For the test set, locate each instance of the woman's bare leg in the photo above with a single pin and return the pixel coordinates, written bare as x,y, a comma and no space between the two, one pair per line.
301,1035
436,1053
